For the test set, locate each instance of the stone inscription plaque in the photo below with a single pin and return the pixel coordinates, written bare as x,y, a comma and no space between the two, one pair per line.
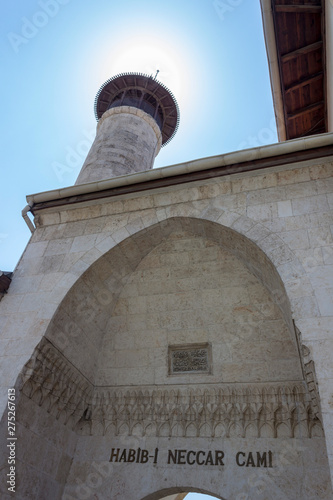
189,359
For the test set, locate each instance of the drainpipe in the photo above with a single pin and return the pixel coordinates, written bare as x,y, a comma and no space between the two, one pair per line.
29,223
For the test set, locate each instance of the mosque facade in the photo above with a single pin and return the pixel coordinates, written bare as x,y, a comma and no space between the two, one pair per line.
170,330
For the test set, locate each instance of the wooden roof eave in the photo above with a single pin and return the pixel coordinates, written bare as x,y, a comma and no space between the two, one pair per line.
273,66
285,47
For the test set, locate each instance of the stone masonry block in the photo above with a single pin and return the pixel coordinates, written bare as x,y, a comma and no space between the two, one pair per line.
310,204
296,239
284,208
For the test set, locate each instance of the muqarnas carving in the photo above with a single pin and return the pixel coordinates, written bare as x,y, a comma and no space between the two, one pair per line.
276,410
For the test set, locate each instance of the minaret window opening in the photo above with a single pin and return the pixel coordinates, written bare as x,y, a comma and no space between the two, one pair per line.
139,99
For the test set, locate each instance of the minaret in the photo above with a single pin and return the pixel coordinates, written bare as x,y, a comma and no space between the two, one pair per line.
136,115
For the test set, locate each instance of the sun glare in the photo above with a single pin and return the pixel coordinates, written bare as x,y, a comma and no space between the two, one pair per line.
143,57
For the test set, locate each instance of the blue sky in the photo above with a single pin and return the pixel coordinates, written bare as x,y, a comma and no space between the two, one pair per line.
198,496
56,54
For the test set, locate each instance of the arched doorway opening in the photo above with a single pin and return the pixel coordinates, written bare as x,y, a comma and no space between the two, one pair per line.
180,494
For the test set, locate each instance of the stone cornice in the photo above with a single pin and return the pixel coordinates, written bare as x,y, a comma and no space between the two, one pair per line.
248,160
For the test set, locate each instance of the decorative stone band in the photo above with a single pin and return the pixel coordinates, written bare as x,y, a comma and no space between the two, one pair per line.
238,410
54,384
309,373
223,411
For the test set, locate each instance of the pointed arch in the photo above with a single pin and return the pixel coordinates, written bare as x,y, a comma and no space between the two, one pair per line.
90,301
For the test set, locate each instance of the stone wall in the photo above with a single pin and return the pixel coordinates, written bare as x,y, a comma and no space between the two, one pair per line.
270,228
299,469
44,453
188,290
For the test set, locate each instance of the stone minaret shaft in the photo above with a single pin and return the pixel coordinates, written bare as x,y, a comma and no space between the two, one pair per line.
137,115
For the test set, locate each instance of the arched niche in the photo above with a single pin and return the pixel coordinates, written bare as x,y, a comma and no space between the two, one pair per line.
79,324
